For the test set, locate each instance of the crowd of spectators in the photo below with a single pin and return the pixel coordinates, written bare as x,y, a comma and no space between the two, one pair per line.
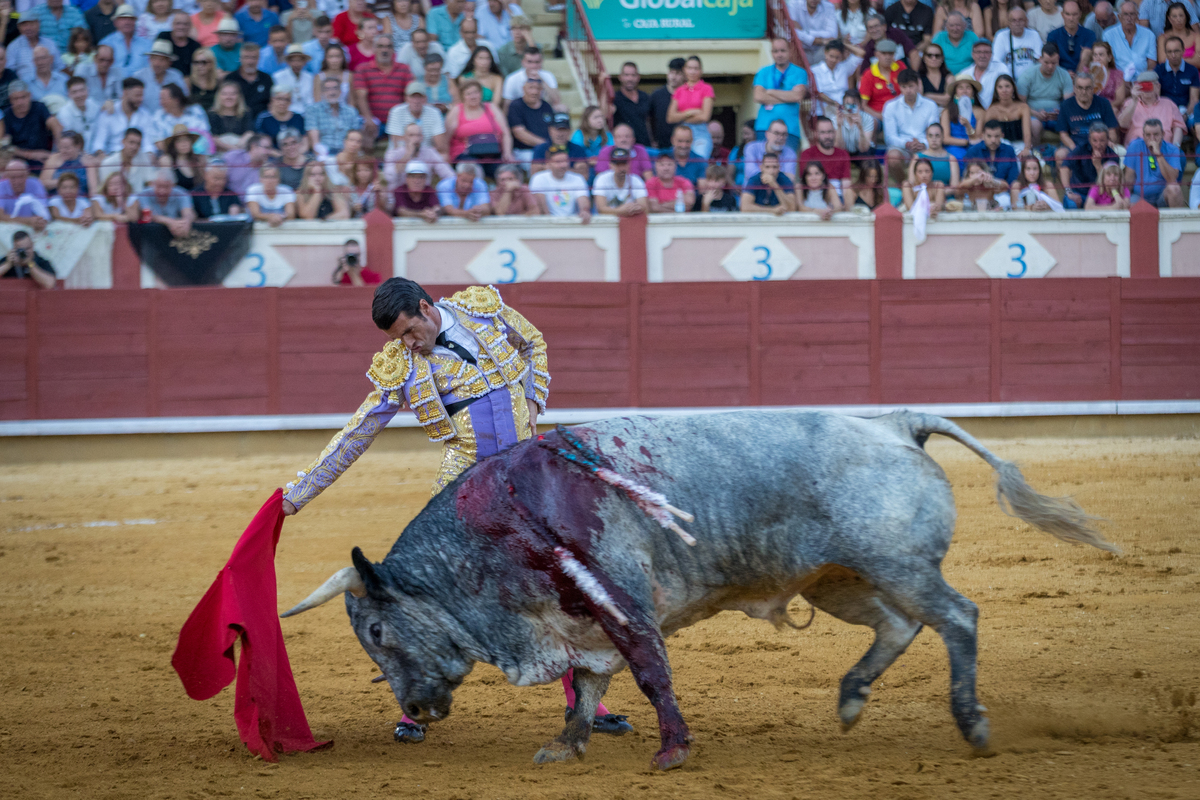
329,109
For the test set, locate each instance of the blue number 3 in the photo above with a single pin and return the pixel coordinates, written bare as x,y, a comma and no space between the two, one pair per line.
764,261
510,266
257,269
1019,258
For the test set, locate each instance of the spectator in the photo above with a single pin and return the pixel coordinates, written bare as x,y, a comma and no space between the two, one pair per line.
920,176
203,80
520,39
318,46
130,52
458,56
156,19
23,262
292,159
80,113
1012,114
511,197
296,80
80,48
495,20
333,65
617,192
715,195
776,143
99,19
345,24
256,20
368,191
113,202
560,136
1134,48
350,270
379,86
999,159
411,146
228,48
1146,104
229,121
255,84
905,120
273,56
1152,14
206,24
869,191
1154,168
482,67
216,199
103,78
1078,169
877,32
279,115
720,153
363,51
878,84
158,74
182,44
970,11
1180,23
1074,42
130,161
398,23
660,103
688,163
980,188
913,18
815,195
29,125
440,92
433,125
20,49
329,120
68,160
1032,192
560,192
1110,83
632,106
984,70
270,200
7,77
529,118
316,197
245,164
768,190
943,163
832,78
178,155
780,86
478,132
1045,18
44,80
168,204
66,206
415,198
414,53
852,24
1017,48
935,78
1108,193
443,21
341,166
465,195
1079,112
855,130
1179,80
956,42
667,191
816,25
591,136
640,163
1044,87
531,63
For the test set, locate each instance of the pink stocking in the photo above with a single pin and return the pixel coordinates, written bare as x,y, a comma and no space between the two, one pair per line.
405,720
570,692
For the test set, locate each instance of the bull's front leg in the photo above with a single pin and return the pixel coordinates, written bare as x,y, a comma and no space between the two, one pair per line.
589,688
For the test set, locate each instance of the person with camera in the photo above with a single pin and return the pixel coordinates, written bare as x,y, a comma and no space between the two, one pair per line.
22,262
350,269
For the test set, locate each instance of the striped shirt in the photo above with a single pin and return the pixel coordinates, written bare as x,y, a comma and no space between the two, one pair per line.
384,89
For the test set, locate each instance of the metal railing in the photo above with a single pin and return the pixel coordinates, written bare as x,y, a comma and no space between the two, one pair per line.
595,84
780,25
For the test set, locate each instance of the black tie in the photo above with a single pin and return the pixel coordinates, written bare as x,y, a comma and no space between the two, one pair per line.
455,347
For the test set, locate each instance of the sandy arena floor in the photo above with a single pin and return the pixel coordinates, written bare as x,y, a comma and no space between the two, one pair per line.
1088,663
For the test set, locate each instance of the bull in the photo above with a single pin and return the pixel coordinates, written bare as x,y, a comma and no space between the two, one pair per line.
531,563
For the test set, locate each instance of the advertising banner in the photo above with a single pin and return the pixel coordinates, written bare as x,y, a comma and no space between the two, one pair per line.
676,19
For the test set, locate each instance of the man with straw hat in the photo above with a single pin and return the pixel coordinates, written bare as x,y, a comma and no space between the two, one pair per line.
130,52
295,78
159,73
228,49
20,50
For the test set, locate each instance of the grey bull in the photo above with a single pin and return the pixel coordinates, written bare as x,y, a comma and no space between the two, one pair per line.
533,563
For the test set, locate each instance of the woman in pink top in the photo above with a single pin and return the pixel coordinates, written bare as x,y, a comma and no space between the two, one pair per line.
692,105
205,22
475,118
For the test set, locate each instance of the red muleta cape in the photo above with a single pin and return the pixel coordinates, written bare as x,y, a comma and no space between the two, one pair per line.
242,603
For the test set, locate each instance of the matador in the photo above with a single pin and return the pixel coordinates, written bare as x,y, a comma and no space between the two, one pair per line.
474,372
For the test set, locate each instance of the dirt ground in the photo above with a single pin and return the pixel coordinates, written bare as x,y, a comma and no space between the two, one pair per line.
1087,663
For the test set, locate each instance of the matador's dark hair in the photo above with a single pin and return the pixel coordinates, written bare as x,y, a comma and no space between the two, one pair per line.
394,297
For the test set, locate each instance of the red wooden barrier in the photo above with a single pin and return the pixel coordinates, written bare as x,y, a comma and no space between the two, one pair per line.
213,351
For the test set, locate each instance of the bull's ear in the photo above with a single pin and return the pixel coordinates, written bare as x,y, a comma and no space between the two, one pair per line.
371,578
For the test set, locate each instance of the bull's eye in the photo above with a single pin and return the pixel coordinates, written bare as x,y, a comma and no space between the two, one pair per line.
376,631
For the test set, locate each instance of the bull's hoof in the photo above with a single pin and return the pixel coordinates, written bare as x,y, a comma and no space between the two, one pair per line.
851,709
671,757
409,733
558,751
612,724
979,736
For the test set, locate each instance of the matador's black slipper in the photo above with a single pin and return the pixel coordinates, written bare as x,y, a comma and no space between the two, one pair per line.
612,724
409,733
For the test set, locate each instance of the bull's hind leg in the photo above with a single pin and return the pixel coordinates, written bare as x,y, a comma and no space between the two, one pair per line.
852,599
589,688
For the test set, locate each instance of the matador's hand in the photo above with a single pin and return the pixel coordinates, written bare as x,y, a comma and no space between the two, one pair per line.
533,412
289,509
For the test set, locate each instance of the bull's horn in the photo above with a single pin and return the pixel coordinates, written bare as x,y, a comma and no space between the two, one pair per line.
346,579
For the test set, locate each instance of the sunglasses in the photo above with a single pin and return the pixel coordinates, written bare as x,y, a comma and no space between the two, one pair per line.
933,55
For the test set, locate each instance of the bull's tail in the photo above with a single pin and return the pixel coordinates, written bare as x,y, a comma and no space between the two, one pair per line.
1058,516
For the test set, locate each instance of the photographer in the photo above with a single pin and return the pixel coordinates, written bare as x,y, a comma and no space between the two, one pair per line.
22,262
350,270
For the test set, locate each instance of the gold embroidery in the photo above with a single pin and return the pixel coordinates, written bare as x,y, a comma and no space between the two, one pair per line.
391,367
479,301
194,243
348,444
458,453
537,353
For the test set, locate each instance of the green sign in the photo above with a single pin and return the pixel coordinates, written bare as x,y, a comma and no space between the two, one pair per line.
676,19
